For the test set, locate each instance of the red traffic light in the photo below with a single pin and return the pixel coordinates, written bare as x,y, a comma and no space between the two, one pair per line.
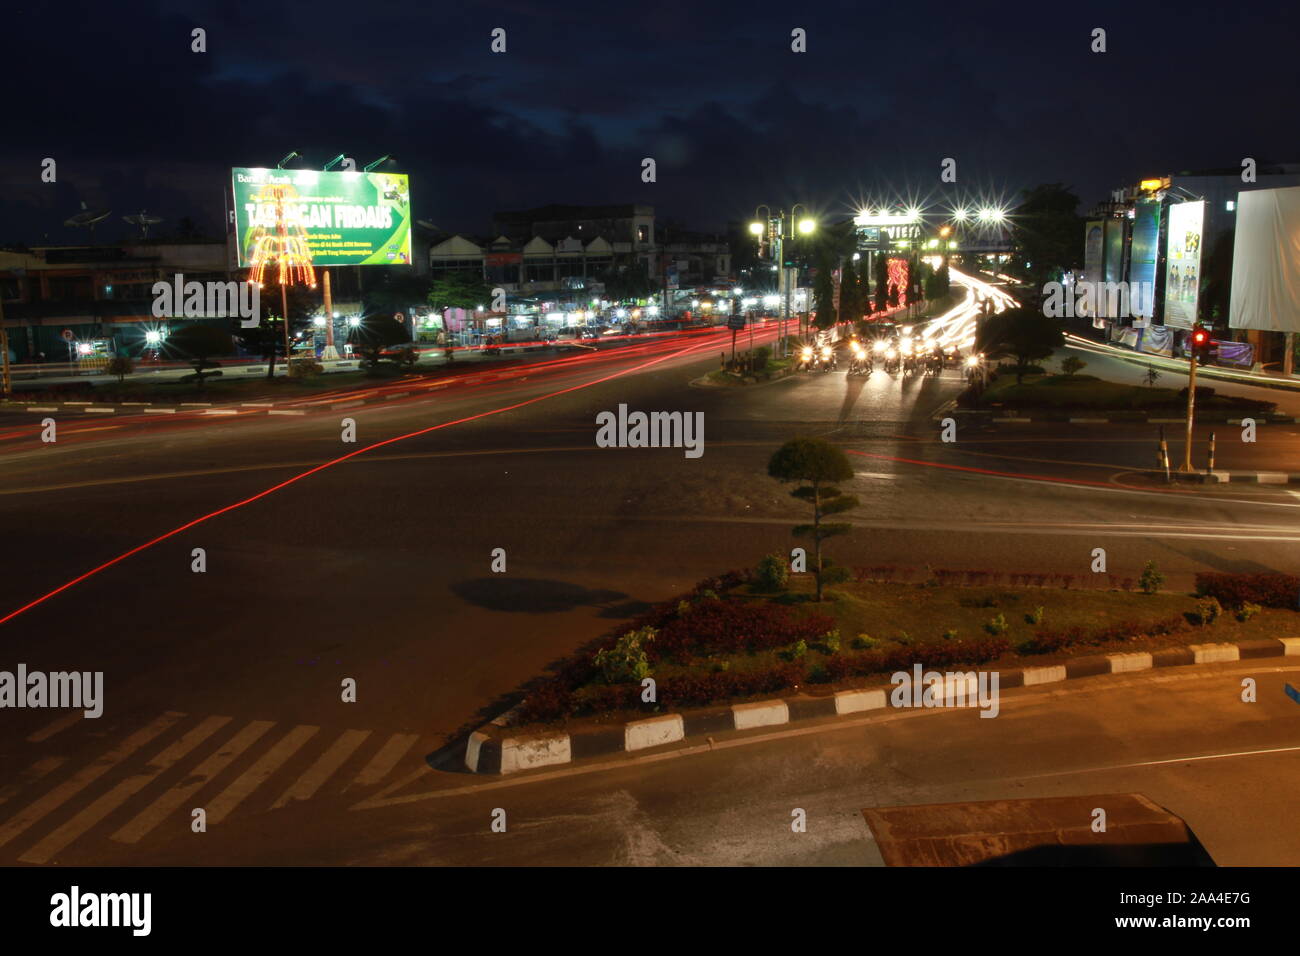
1200,337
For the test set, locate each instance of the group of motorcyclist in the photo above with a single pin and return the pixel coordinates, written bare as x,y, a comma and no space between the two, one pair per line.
896,354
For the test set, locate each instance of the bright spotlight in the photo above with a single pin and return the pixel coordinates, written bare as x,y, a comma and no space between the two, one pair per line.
806,226
756,228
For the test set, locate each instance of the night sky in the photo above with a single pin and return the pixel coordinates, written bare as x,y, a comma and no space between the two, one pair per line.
586,90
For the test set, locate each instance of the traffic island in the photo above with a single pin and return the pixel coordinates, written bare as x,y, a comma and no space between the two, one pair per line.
727,659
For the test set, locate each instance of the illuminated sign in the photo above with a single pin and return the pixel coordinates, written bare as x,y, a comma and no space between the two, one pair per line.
323,218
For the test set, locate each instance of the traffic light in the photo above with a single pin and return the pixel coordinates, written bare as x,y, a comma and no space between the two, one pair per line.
1201,344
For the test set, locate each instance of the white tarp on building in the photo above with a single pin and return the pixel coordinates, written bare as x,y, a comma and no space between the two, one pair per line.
1266,261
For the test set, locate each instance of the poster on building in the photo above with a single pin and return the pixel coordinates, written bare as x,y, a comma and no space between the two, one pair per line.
1113,255
1266,261
1112,268
1183,263
323,218
1142,258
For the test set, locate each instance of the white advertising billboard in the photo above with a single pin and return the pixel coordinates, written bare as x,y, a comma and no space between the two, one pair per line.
1266,261
1183,263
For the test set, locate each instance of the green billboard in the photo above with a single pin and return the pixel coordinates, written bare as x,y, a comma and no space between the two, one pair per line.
328,218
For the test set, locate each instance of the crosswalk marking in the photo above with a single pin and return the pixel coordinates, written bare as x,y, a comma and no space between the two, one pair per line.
106,804
153,814
305,787
88,775
42,768
385,760
252,778
49,730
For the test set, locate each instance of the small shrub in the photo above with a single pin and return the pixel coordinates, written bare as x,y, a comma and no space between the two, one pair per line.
904,638
831,642
121,366
950,635
1072,365
1151,579
707,594
1247,611
626,660
835,575
683,608
1206,611
771,574
1036,616
797,651
996,625
864,642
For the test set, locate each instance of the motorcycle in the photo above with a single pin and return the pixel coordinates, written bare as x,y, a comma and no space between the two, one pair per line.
828,359
891,361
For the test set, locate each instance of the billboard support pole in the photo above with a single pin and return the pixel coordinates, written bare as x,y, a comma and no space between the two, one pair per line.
1288,358
330,351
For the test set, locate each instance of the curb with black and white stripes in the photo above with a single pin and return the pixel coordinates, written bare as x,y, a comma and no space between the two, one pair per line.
486,751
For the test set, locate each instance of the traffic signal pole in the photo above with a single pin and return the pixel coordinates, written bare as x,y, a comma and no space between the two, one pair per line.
1191,411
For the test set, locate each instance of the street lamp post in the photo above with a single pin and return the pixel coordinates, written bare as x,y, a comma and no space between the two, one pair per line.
774,227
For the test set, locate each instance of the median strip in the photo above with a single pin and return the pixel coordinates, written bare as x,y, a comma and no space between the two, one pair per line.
489,751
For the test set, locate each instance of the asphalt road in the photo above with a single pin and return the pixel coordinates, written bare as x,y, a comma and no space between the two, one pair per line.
222,688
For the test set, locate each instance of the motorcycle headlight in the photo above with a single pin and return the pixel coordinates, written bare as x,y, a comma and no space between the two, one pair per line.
879,346
972,362
889,354
826,353
807,353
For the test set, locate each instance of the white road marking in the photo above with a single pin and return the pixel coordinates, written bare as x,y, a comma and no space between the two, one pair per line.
152,815
86,776
384,761
305,787
252,778
60,839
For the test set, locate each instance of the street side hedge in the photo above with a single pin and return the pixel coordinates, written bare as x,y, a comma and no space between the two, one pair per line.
1234,590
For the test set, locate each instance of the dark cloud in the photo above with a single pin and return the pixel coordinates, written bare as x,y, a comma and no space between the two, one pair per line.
586,90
